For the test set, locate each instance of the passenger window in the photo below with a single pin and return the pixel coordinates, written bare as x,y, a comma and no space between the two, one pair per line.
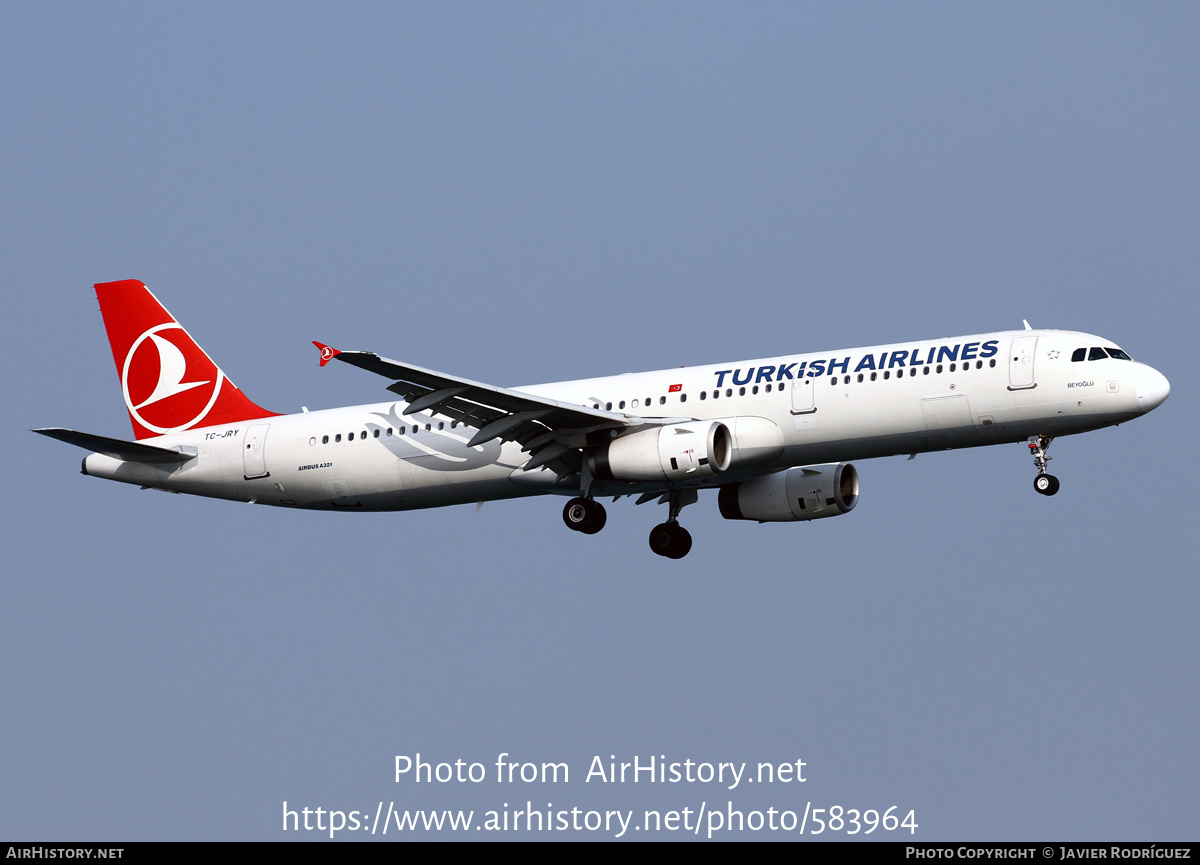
363,435
324,440
635,404
683,397
415,429
992,362
873,376
925,371
716,394
337,438
662,400
860,378
389,430
741,391
887,373
703,394
621,404
1078,354
376,433
833,380
441,425
350,437
312,441
428,427
608,406
728,391
754,389
768,388
939,368
1097,354
912,372
978,364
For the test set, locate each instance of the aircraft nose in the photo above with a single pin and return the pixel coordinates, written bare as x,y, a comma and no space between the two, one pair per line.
1152,388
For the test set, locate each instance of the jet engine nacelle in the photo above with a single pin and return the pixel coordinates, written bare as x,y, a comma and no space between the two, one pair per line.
756,440
674,452
805,493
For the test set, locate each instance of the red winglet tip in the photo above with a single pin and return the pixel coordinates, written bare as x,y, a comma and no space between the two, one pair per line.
328,352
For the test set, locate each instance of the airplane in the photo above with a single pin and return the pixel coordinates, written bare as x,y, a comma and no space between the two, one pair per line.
774,436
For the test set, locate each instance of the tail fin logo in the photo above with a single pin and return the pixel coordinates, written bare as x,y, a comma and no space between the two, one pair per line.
168,384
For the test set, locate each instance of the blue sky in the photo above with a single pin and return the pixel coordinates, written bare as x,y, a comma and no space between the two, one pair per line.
533,192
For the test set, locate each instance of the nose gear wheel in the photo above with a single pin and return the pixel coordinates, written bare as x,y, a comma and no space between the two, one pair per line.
1045,484
1039,449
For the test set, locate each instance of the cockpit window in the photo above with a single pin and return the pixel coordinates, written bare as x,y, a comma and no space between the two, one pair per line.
1118,354
1097,354
1078,354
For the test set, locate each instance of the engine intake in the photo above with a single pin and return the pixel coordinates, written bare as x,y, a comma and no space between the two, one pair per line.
804,493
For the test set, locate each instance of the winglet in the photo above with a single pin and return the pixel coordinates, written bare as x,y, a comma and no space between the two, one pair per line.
328,352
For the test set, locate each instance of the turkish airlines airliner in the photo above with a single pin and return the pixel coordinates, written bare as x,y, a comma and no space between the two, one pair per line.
773,435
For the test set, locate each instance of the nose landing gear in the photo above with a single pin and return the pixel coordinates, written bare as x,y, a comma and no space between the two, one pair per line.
1045,484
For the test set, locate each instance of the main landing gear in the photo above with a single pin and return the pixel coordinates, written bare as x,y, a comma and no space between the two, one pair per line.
671,539
584,515
1045,484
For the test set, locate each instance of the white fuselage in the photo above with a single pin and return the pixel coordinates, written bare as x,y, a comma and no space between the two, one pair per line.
829,406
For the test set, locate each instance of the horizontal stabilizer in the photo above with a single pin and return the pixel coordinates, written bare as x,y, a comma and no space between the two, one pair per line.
115,448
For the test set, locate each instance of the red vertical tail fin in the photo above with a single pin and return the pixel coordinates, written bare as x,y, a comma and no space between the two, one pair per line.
168,382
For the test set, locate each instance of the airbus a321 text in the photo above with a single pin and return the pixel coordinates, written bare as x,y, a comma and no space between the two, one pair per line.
773,435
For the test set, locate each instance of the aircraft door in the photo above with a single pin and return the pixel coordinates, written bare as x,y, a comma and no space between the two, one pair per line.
254,454
804,396
1020,363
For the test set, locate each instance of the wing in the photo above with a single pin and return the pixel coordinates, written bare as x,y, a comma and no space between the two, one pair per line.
552,432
